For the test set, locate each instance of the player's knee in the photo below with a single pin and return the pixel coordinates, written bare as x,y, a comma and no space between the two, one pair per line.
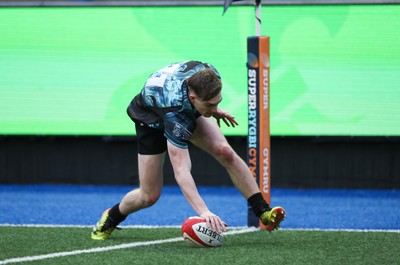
225,154
149,199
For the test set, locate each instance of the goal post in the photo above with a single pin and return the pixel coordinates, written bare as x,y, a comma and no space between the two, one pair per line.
258,137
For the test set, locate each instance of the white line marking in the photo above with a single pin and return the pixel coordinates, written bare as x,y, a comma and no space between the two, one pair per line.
103,249
178,226
91,226
343,230
87,226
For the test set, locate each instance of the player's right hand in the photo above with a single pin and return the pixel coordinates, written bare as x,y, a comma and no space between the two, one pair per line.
214,222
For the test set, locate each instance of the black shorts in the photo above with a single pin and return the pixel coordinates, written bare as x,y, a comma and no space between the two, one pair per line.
150,141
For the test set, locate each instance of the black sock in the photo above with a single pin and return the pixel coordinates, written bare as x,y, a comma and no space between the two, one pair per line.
115,215
258,204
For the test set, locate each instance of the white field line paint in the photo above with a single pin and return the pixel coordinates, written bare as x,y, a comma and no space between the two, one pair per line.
88,226
91,226
343,230
178,226
103,249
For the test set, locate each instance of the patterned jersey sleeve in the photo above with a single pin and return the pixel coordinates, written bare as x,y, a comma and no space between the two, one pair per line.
178,129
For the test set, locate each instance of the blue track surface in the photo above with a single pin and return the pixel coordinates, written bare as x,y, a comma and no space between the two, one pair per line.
83,205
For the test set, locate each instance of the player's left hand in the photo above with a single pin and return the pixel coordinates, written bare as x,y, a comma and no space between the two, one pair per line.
227,118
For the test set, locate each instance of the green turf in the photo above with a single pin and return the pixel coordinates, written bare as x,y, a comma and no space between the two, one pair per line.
280,247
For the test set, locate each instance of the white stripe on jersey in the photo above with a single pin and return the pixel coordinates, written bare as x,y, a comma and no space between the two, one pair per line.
158,78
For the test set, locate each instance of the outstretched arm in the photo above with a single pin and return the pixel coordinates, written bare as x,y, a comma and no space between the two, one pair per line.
181,164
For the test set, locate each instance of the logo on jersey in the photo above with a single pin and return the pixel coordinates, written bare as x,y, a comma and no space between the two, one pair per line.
181,132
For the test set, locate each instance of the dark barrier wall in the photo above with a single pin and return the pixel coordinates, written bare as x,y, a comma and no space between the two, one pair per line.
297,162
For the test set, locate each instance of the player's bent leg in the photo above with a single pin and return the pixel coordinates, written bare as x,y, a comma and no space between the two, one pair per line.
150,178
150,184
209,137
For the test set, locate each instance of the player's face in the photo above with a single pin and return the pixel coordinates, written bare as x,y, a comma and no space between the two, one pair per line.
206,107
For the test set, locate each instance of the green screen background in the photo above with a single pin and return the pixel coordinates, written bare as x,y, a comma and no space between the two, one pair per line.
335,70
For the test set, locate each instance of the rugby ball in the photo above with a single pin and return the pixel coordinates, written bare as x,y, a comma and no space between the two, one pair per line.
197,234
